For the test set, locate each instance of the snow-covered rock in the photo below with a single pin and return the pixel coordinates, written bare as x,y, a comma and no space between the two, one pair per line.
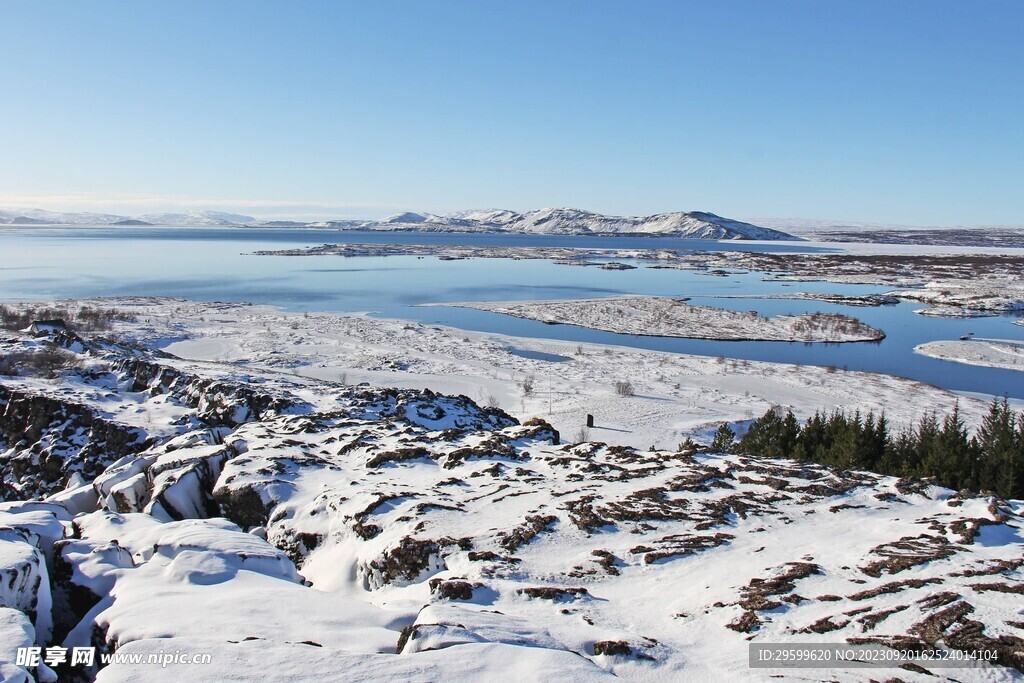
24,582
16,631
409,535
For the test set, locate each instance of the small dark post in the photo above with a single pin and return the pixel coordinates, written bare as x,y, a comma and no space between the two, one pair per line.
590,420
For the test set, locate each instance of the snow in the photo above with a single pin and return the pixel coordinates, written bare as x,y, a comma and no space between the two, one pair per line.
43,522
564,221
145,538
674,609
199,218
993,353
969,297
298,662
25,585
666,317
16,631
676,395
208,349
694,224
407,217
357,528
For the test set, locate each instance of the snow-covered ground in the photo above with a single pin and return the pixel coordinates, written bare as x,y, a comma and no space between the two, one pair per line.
1001,296
675,396
955,280
994,353
666,317
301,529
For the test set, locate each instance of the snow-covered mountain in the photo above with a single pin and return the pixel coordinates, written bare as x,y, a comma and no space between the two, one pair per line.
200,218
693,224
407,217
192,218
563,221
41,217
696,224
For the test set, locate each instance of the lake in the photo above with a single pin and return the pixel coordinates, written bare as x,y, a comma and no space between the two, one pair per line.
215,264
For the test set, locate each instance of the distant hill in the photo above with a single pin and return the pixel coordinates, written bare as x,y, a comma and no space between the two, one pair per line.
555,221
283,224
25,220
41,217
696,224
198,218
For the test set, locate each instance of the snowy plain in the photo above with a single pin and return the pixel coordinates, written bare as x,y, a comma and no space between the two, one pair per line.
994,353
291,526
366,522
675,396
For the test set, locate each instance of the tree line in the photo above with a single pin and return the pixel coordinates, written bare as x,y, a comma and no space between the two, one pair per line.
992,459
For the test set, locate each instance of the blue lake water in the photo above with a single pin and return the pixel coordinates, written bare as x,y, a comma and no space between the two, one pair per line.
215,264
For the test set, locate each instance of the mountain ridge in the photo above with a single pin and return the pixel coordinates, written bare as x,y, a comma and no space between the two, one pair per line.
547,221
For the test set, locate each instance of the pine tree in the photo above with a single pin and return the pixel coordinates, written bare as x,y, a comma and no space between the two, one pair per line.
925,438
725,439
876,438
901,455
997,446
810,445
771,436
993,459
951,458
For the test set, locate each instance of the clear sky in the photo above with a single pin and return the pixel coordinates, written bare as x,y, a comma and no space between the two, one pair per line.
904,111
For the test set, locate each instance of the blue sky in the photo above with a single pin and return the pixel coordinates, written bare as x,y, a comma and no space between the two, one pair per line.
898,112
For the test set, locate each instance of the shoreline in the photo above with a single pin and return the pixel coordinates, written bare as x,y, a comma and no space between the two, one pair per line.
637,315
675,396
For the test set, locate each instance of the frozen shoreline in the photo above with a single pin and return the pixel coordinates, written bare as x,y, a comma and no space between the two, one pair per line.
676,395
1006,354
956,281
412,534
666,317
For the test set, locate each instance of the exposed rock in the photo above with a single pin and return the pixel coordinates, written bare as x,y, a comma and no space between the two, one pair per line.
612,648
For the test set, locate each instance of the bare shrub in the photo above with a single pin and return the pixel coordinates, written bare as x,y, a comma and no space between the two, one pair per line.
8,365
49,362
526,384
624,388
86,318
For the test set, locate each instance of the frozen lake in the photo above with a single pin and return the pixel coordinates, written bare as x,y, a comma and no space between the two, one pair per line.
214,264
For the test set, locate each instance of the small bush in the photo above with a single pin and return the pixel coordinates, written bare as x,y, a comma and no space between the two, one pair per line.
8,366
85,318
49,362
624,388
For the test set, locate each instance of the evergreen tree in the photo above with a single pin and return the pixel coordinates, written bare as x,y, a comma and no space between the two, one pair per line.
848,445
811,443
725,439
771,435
876,439
999,451
991,460
951,457
901,455
926,437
